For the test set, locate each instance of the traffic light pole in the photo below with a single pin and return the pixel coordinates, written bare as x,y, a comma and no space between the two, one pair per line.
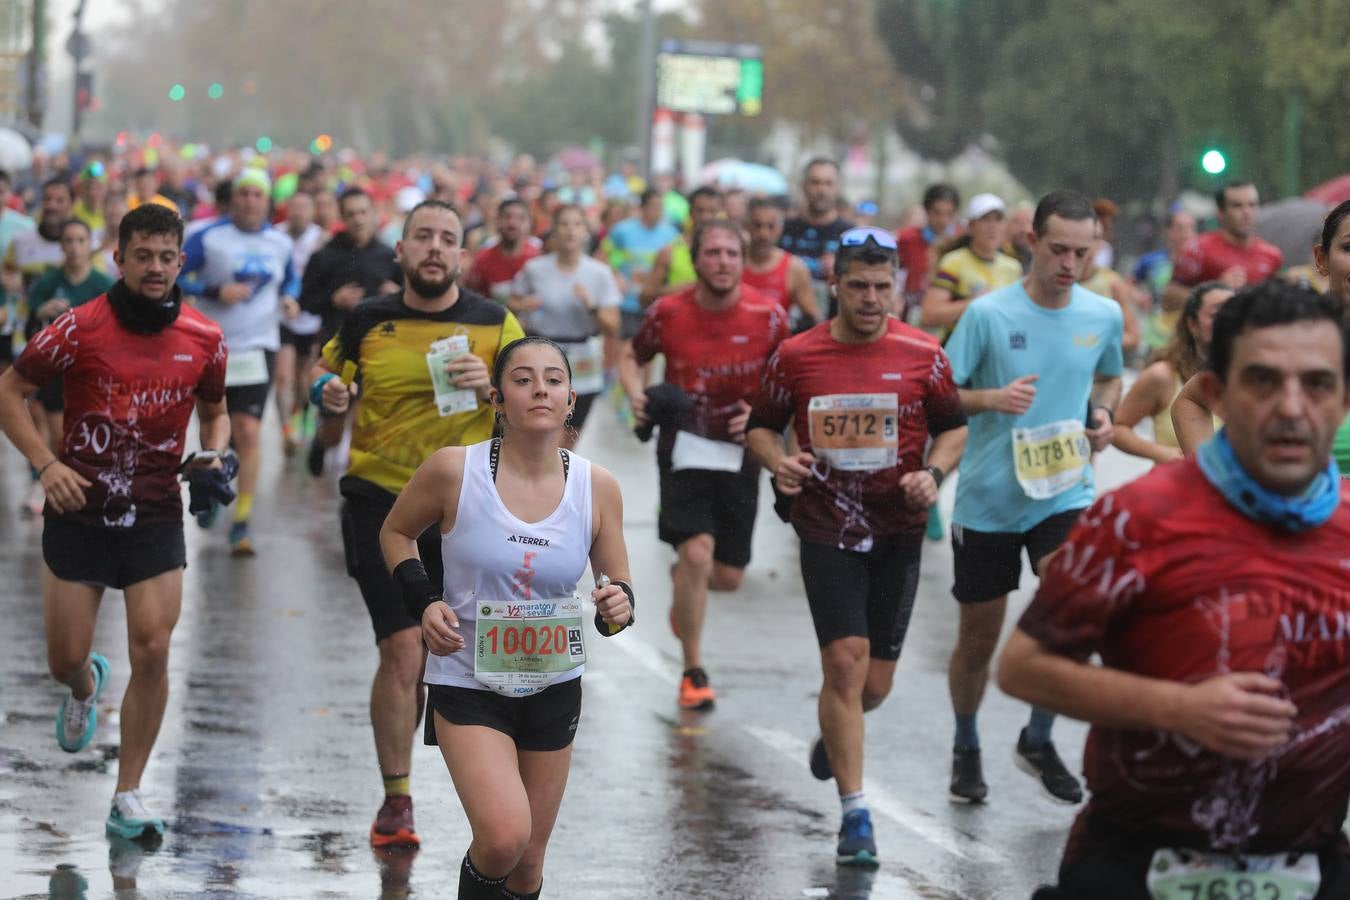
37,63
646,87
78,47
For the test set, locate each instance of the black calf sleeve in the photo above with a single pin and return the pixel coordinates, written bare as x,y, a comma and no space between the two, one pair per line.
474,885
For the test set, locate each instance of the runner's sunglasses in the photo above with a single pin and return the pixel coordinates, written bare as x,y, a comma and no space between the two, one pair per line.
857,237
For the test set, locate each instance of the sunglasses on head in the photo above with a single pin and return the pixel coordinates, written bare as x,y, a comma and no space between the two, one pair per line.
857,237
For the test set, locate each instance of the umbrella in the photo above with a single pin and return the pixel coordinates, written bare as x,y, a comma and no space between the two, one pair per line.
1337,190
1292,225
576,158
16,154
748,176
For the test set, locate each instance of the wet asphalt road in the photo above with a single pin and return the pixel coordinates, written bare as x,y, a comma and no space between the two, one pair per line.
266,767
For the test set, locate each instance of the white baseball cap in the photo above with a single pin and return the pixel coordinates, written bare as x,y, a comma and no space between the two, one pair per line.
982,205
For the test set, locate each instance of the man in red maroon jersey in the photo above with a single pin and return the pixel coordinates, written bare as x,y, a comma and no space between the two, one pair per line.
1232,254
1216,591
135,363
772,270
495,266
919,245
716,336
864,392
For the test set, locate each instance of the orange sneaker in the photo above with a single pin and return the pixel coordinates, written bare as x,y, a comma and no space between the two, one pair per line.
695,692
394,823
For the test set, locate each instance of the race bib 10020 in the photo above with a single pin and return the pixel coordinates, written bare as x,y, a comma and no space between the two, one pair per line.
1049,459
1186,875
855,432
524,646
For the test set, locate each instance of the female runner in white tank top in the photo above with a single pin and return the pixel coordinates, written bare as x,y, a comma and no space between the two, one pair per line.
519,520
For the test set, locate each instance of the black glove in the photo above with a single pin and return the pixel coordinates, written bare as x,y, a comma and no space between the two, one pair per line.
208,488
667,405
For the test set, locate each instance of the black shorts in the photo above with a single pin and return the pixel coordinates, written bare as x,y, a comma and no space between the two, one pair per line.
52,395
362,518
1118,873
303,343
251,399
629,324
868,595
544,722
989,563
111,557
723,504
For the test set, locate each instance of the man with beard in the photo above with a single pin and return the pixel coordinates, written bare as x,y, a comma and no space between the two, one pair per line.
32,253
404,416
135,363
496,265
716,336
814,235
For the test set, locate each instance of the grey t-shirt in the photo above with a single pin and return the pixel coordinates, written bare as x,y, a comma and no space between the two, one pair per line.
563,315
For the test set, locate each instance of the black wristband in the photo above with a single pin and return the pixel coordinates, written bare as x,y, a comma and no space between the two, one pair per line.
416,587
937,474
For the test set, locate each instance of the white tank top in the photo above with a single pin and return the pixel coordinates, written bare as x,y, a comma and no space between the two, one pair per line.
490,555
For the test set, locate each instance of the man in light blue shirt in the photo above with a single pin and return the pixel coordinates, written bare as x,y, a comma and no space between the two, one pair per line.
1038,364
631,248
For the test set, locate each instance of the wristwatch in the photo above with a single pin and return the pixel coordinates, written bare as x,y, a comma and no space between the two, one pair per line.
937,474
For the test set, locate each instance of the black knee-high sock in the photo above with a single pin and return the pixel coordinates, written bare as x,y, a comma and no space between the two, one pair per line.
474,885
508,894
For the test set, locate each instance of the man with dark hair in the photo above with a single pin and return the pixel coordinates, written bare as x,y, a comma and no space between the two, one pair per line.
1215,591
862,491
773,271
1232,254
404,416
919,243
352,266
674,265
500,259
136,362
31,253
716,336
631,248
1026,473
814,235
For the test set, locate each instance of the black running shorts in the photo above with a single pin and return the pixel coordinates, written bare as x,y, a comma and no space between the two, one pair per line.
722,504
544,721
251,399
868,595
989,563
111,557
362,518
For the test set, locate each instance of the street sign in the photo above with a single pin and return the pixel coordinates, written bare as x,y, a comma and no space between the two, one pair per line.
714,79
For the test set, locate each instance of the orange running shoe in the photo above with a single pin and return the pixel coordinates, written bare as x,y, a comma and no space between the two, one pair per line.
695,692
394,823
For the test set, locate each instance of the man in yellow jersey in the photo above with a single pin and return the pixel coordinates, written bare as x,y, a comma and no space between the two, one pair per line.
974,269
419,362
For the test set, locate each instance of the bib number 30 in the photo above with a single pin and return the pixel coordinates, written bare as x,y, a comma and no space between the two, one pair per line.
1174,875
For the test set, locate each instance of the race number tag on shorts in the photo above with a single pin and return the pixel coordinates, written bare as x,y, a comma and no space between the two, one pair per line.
1050,459
449,399
694,452
245,368
524,646
1174,875
855,432
588,367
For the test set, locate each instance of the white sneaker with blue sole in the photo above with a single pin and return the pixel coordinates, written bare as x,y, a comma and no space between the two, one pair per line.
77,719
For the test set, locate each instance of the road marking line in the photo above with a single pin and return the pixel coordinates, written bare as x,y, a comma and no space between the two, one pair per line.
879,798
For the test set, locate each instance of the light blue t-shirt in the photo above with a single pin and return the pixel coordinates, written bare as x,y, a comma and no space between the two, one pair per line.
221,253
632,248
1005,335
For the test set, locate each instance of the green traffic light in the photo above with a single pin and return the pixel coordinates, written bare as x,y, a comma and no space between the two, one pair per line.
264,144
215,91
1213,162
177,92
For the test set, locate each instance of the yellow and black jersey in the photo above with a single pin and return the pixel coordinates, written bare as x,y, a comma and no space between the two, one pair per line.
397,422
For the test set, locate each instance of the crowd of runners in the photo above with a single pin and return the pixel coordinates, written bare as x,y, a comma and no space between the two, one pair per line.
440,332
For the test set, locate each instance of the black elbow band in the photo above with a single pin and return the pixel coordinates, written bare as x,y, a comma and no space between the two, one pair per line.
416,587
608,630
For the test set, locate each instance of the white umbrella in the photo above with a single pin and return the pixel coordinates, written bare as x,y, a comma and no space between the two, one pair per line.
16,154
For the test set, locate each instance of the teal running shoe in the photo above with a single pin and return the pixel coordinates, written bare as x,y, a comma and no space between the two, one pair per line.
77,719
131,820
